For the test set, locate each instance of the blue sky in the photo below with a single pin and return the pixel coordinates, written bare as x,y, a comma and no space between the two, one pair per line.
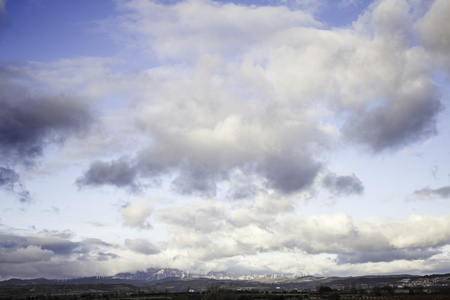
255,137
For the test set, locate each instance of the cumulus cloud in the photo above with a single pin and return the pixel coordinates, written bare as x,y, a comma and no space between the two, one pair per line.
343,184
136,214
260,106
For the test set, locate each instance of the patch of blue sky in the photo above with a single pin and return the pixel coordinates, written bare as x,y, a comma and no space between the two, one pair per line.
51,30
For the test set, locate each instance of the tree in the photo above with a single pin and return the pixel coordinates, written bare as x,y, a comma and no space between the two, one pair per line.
353,288
214,292
334,296
325,289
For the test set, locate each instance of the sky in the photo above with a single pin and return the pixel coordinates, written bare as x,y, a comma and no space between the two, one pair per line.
252,137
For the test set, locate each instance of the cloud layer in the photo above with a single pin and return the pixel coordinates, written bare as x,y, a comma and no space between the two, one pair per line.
206,238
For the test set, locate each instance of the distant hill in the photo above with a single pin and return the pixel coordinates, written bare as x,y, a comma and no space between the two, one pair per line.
176,280
152,274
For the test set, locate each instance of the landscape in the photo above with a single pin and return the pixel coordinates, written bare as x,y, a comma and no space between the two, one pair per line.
175,284
224,149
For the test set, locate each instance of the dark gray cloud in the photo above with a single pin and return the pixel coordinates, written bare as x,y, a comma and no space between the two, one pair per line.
56,244
289,174
8,178
8,242
386,256
15,245
284,174
50,254
195,179
45,244
399,121
119,173
61,247
10,181
343,184
30,121
104,256
442,192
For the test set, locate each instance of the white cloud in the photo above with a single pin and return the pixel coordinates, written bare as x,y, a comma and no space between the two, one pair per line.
206,27
136,214
207,234
26,255
434,30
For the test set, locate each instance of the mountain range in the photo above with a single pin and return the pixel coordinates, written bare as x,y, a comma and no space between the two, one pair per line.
178,280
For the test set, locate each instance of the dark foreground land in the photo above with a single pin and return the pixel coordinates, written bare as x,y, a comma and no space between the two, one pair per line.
333,288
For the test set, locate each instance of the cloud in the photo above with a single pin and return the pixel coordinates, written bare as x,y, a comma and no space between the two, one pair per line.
201,217
208,232
55,244
142,246
96,223
31,121
433,30
386,256
427,193
136,214
343,184
205,156
29,254
10,181
260,107
395,115
118,173
203,237
230,28
52,255
289,174
406,117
